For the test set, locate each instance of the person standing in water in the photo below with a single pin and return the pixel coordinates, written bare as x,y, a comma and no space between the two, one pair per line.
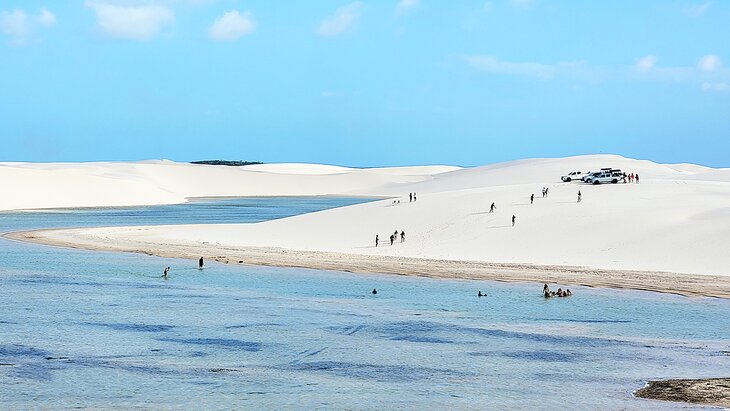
513,220
492,208
200,263
377,240
580,196
532,198
165,271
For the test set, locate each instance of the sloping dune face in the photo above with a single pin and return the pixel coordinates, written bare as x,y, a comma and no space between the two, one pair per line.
32,186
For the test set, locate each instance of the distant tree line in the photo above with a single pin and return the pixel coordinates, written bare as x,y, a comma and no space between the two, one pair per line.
226,162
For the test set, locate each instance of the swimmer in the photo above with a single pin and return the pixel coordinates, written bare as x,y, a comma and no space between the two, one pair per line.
375,291
164,273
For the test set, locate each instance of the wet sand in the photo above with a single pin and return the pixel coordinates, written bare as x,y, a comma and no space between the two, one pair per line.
709,391
657,281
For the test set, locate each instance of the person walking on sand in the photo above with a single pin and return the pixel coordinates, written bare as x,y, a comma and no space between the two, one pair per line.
547,191
580,196
200,263
414,197
402,236
513,220
532,198
492,208
410,197
637,178
377,240
165,271
391,239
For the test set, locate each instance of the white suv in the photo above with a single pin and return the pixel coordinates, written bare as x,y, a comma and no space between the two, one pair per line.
605,176
575,175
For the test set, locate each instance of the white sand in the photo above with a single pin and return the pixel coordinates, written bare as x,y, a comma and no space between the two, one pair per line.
56,185
677,220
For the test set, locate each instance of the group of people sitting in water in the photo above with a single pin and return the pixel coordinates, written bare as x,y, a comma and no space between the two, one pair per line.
545,290
559,293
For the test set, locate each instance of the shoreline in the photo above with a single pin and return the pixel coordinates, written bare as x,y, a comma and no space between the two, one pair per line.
688,285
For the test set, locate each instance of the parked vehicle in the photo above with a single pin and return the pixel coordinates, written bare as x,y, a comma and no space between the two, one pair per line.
575,175
589,173
604,176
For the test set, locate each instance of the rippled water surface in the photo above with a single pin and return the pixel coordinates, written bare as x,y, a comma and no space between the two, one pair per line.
103,330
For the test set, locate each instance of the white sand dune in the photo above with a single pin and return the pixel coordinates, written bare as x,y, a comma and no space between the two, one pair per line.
676,220
56,185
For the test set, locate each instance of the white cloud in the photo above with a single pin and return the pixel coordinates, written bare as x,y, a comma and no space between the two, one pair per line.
697,9
527,69
404,6
722,86
20,26
646,63
46,18
140,22
232,25
14,23
709,62
344,20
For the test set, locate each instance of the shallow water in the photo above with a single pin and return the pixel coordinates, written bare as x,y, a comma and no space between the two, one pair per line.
96,329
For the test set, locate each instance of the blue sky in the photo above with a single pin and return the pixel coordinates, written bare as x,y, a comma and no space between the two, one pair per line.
364,83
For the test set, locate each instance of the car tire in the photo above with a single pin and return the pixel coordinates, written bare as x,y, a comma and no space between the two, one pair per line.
596,182
614,181
567,179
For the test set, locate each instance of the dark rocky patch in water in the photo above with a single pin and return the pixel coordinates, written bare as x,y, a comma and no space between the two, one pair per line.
218,342
134,327
421,339
384,373
573,320
21,351
425,331
230,327
544,355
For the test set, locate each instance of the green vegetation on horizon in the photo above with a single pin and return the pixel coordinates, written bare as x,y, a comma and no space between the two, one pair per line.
226,162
